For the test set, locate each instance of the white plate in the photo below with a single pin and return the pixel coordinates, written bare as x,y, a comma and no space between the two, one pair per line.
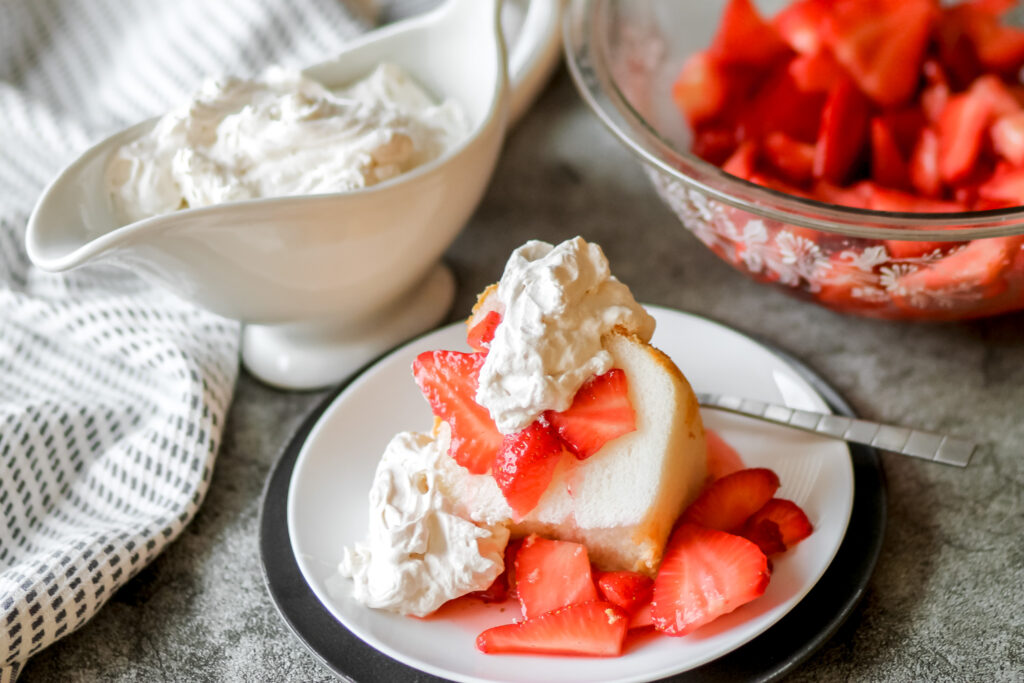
327,509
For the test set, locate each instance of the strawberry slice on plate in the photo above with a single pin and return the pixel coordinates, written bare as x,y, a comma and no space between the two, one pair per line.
552,574
627,590
705,573
787,519
590,628
448,380
525,463
726,503
600,412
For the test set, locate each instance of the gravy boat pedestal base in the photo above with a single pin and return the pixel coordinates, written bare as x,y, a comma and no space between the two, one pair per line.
313,355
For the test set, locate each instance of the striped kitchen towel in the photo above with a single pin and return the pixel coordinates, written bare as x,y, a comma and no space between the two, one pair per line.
113,393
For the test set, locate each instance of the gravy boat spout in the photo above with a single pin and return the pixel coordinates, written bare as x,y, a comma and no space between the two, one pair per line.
324,282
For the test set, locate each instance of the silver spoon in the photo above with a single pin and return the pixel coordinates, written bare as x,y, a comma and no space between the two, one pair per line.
940,448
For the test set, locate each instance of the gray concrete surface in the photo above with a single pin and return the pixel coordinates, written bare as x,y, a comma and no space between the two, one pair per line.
945,601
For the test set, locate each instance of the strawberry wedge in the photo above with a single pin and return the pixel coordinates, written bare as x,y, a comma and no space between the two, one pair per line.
552,574
448,380
592,628
726,503
600,412
705,573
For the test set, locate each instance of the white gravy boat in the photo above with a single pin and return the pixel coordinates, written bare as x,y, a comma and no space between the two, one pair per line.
326,282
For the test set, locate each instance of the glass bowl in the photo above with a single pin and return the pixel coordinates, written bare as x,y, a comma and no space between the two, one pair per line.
624,56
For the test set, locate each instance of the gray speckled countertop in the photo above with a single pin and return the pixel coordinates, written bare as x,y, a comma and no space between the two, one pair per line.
945,600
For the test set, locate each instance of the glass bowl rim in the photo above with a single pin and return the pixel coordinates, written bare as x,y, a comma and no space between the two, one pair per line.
588,67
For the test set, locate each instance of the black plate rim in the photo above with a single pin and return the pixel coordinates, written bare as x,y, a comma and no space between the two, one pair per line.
768,657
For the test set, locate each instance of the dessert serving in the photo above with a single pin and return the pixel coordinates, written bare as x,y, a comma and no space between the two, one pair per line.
568,466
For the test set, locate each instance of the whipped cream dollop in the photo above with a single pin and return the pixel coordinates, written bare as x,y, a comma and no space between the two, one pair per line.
558,302
419,554
281,134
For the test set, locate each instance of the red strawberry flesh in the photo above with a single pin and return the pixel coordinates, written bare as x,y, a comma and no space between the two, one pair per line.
600,411
591,628
788,519
726,503
525,463
552,574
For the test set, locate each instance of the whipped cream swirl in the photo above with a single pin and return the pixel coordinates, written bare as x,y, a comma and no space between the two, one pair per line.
281,134
419,554
558,302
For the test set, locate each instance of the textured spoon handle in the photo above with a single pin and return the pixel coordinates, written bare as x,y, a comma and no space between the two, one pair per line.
948,450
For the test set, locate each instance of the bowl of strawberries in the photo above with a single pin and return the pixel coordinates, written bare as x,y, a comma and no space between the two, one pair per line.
867,155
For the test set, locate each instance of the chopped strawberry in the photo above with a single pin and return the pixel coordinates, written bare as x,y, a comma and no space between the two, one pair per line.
905,125
794,160
643,617
910,249
881,43
722,458
511,552
705,573
481,335
964,123
800,25
700,89
744,37
844,130
448,380
781,106
998,47
1008,137
1005,184
552,574
924,164
726,503
979,265
600,412
886,199
816,71
525,463
714,143
788,519
888,167
854,196
627,590
743,161
590,628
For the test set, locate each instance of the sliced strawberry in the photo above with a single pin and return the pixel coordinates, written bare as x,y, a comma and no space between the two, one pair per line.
448,380
881,43
780,106
643,617
481,335
794,160
627,590
886,199
1005,184
744,37
743,162
843,132
978,266
525,464
888,167
905,126
552,574
766,535
1008,138
998,47
700,89
705,573
789,520
600,412
855,196
909,249
816,72
924,164
800,24
589,628
722,458
511,552
714,143
726,503
961,128
496,592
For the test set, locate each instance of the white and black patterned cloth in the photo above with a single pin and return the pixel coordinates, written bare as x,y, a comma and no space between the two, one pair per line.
113,393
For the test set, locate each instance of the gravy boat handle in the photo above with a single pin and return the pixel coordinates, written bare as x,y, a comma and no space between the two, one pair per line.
931,446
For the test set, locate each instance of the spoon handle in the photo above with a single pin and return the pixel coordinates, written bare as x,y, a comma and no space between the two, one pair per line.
940,448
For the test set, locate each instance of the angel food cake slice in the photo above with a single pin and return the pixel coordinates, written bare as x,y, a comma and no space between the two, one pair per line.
563,422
